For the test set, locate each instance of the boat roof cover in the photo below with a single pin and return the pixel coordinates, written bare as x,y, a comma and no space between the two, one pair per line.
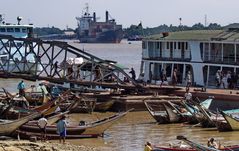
198,35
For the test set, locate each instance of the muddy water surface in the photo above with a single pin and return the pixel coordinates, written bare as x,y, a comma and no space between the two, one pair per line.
131,132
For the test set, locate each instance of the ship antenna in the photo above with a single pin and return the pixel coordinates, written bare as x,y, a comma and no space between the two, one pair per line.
87,9
1,19
19,20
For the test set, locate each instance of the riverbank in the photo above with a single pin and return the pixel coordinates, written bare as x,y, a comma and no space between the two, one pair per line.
24,145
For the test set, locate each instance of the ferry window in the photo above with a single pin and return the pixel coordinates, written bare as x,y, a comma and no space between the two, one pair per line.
186,46
228,53
183,46
179,45
144,46
17,29
157,45
175,45
237,53
167,45
2,30
201,50
24,30
171,45
10,30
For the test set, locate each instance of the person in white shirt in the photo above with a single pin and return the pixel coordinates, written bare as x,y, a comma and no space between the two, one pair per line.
188,96
189,79
42,123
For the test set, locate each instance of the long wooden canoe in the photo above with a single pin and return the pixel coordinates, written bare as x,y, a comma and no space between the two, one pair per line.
8,127
93,129
200,147
194,147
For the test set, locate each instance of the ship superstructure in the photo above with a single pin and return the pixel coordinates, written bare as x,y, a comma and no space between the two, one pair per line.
91,31
12,53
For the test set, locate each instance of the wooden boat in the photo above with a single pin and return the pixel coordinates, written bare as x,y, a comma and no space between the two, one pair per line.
200,147
159,114
192,146
198,111
103,106
165,148
44,106
14,112
232,121
218,119
184,115
167,112
8,127
195,111
92,129
84,104
172,115
223,125
51,119
8,94
207,119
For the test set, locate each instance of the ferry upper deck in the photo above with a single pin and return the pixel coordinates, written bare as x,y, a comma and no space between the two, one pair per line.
203,52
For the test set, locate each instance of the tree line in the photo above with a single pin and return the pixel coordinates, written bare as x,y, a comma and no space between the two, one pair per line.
134,29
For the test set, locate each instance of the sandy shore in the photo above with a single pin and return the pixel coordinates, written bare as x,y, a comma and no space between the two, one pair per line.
14,145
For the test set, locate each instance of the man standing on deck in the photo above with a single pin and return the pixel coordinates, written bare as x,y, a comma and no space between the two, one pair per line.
188,95
174,77
162,77
132,72
42,122
21,88
61,128
189,79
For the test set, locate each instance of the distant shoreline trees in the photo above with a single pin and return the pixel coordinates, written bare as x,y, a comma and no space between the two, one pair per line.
133,30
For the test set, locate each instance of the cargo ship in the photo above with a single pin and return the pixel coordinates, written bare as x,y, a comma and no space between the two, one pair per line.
91,31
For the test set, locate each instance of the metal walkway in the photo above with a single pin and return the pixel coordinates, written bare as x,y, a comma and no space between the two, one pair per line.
59,62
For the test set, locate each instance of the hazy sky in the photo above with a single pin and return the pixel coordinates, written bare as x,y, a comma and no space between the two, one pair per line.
60,13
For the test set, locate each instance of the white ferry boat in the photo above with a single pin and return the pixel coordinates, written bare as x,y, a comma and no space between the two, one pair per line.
18,61
202,52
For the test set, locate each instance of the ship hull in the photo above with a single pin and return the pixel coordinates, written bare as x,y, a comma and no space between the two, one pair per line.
111,36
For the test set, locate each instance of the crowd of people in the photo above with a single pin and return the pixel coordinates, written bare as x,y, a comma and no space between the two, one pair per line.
226,79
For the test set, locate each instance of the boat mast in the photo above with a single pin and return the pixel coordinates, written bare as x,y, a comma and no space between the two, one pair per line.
1,19
86,13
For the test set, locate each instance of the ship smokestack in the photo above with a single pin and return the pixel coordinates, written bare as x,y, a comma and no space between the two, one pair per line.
94,17
106,16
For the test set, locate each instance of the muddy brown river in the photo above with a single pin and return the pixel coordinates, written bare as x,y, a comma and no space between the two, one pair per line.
131,132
